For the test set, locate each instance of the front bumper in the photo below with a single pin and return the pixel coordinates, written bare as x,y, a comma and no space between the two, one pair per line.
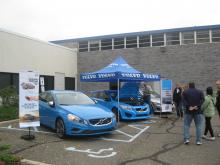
78,129
134,115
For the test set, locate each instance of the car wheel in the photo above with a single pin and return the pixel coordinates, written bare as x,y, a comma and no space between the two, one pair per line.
60,128
115,111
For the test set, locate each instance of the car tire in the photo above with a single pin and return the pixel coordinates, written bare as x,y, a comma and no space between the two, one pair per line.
115,111
60,129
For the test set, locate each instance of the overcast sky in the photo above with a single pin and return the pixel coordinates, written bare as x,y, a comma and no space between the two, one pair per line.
64,19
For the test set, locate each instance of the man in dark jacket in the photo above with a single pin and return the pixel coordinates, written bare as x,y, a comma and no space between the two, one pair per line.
218,98
177,99
192,100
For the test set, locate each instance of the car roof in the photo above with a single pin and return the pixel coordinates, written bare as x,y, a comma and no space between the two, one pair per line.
103,91
62,91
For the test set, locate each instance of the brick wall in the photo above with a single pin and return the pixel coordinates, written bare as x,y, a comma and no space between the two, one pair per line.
199,63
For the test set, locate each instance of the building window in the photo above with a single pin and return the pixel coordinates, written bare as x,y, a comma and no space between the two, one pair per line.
69,83
172,38
94,45
5,80
118,43
131,42
83,46
157,40
202,36
188,37
48,82
9,79
216,35
144,41
106,44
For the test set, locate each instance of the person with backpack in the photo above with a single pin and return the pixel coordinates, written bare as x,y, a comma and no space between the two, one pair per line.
208,109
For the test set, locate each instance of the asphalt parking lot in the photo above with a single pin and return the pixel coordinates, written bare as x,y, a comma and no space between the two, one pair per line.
154,141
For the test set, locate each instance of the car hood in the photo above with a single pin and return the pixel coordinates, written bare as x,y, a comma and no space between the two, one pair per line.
155,100
88,111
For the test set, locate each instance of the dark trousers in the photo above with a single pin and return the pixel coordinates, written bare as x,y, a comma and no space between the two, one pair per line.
218,112
208,126
179,109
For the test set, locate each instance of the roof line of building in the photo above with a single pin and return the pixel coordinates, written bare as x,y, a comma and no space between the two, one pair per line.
34,39
138,33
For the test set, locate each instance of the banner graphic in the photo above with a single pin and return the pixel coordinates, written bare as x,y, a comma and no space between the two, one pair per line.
28,99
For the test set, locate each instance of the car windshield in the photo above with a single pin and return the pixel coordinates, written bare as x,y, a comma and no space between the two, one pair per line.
73,98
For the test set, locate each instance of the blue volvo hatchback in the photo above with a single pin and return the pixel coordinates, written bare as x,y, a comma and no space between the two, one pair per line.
130,107
74,113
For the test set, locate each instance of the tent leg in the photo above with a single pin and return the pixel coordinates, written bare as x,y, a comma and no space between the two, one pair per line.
118,102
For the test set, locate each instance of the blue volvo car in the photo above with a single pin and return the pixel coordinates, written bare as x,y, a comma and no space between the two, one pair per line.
74,113
130,107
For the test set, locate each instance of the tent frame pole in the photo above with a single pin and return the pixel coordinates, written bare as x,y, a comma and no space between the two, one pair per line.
118,101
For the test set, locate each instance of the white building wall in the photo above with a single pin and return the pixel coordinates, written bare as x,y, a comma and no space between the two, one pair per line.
22,53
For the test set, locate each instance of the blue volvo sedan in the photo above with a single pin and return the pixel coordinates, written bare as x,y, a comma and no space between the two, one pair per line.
74,113
130,107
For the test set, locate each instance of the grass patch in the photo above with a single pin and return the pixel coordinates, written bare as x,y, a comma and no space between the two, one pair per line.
8,113
7,157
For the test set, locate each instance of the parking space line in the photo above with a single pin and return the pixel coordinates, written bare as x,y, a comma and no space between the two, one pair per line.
123,133
134,127
35,129
138,134
19,129
132,137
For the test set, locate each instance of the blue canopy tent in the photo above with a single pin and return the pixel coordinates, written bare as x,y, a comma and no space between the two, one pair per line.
118,71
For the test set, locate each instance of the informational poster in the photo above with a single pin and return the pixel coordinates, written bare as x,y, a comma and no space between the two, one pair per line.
166,95
28,99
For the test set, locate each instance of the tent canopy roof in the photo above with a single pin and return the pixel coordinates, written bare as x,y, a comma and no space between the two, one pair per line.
118,69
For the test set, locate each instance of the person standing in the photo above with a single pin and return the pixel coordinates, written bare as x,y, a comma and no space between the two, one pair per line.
193,99
177,99
218,98
208,109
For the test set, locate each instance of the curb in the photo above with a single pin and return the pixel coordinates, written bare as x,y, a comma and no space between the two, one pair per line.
31,162
8,121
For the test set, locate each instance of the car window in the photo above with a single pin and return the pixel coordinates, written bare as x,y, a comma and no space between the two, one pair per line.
113,95
49,97
46,97
104,96
96,94
43,97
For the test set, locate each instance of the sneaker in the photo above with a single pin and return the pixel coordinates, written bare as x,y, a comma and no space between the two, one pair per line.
211,138
204,137
186,141
198,143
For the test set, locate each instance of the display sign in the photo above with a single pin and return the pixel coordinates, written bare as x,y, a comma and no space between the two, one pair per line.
28,99
166,95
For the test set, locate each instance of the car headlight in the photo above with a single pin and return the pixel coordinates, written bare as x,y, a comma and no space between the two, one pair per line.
126,107
76,119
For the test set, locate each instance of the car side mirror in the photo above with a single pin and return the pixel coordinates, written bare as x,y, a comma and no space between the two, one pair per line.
51,104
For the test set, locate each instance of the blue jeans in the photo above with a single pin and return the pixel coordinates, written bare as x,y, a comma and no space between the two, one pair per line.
198,120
